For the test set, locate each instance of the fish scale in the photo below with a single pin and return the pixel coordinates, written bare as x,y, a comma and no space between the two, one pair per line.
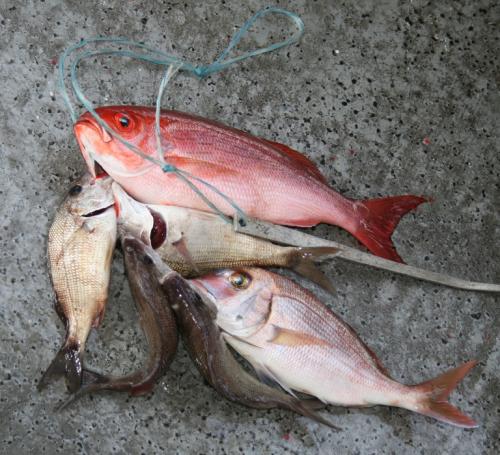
290,337
264,179
193,242
81,242
344,358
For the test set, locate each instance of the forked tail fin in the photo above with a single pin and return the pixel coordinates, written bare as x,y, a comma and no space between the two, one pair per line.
67,363
435,395
379,218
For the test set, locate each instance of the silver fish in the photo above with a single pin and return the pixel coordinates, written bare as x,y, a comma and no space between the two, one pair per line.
193,242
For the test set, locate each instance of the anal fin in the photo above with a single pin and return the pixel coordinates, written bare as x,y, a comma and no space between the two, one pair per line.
302,262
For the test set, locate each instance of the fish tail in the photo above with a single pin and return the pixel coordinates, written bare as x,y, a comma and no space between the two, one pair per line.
67,363
302,260
435,393
377,219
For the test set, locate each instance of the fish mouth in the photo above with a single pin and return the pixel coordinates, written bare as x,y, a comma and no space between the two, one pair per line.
93,125
93,140
85,129
206,297
200,286
99,211
95,169
99,171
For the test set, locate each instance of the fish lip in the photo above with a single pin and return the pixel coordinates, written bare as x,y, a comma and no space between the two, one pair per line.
93,124
98,212
95,168
120,196
87,155
201,287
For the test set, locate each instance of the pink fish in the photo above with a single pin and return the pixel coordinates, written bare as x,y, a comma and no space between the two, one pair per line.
291,338
267,180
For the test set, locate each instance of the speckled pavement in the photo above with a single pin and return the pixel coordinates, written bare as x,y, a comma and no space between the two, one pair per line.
387,97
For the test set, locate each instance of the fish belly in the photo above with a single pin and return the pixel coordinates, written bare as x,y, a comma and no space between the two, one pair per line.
333,379
275,198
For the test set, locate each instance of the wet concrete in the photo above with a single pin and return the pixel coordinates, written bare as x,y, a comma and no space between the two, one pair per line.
387,97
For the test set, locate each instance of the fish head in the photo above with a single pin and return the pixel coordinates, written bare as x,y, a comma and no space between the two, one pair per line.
242,297
133,124
137,259
134,218
144,256
89,197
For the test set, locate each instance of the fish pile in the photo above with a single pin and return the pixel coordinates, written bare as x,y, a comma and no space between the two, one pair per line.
190,272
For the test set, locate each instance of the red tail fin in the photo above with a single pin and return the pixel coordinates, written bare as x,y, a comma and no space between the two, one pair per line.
379,221
435,395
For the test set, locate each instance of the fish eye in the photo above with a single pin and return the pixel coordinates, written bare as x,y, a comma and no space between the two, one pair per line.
124,121
147,260
77,189
239,280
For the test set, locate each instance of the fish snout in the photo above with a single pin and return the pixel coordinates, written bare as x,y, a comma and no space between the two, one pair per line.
212,286
88,122
91,138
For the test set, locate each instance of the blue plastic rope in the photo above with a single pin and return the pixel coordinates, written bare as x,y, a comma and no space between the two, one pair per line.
220,63
173,64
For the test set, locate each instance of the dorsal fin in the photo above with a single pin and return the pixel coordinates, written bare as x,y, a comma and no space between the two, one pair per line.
299,158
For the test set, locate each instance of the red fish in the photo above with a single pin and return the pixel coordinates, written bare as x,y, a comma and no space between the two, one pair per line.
294,340
267,180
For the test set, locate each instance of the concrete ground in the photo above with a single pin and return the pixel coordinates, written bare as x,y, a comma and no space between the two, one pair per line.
387,97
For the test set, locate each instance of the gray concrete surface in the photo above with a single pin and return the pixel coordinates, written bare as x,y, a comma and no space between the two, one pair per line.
387,97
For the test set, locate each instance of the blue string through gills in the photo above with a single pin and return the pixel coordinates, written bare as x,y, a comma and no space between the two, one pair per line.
173,64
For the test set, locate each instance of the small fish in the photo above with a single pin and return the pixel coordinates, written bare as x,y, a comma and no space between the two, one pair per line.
210,353
267,180
157,321
81,242
193,242
291,338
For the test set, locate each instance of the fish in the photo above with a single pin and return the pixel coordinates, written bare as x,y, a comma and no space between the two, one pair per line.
293,339
267,180
158,324
81,243
209,352
193,242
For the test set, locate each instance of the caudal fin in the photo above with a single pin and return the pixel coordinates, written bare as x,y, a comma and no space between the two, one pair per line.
67,363
302,262
379,218
435,395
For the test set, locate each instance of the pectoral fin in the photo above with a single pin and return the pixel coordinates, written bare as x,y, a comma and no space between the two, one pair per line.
182,249
293,338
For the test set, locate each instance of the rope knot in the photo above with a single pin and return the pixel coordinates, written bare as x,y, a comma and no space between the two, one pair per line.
168,168
200,71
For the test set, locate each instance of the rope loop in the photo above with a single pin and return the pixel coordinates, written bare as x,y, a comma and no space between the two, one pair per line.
172,64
